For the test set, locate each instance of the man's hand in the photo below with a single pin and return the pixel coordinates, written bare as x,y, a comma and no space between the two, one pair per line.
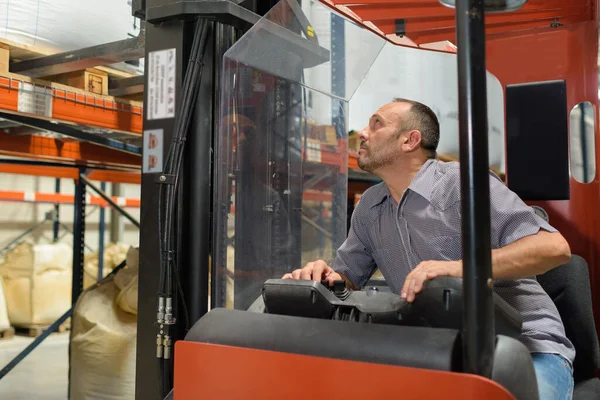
428,270
316,271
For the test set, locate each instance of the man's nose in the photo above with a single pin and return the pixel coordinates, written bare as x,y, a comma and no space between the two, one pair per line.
364,135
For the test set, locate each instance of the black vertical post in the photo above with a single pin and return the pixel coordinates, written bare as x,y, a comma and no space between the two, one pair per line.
101,230
195,216
115,218
338,116
56,224
224,37
165,36
583,138
478,323
78,239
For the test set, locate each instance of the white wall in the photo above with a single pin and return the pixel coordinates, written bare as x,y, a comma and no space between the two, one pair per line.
16,217
431,78
426,76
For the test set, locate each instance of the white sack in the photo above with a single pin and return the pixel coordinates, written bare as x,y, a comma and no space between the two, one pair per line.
103,339
37,282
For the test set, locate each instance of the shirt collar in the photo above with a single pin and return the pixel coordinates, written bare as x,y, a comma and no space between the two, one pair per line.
422,183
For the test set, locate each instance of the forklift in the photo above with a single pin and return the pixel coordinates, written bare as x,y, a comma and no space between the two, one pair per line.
245,137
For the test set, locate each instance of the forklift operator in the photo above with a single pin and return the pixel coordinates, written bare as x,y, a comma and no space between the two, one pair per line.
409,226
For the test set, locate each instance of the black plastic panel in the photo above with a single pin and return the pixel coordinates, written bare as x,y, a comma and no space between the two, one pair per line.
537,140
382,344
438,305
513,368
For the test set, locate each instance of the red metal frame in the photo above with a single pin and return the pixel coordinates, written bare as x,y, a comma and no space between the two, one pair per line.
207,371
522,47
427,21
569,54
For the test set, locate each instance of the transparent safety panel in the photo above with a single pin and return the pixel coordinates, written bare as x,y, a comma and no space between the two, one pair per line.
282,146
292,88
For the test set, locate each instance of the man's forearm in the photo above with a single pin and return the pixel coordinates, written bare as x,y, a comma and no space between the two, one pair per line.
530,256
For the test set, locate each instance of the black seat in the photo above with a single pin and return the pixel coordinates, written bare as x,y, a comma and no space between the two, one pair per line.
569,287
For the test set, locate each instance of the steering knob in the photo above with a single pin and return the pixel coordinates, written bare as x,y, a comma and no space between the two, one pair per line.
338,288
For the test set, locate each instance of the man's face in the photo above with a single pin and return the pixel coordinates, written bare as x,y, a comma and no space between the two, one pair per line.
380,145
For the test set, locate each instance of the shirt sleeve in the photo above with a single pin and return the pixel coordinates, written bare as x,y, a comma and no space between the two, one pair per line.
353,258
511,219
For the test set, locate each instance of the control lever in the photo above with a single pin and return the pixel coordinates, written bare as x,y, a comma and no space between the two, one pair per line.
338,288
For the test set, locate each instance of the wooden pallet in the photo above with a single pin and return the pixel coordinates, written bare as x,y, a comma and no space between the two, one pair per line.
35,330
20,52
91,80
7,333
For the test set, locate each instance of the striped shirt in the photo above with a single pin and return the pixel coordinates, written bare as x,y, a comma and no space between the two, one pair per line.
427,226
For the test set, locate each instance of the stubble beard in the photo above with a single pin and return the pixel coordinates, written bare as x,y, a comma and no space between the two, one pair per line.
371,162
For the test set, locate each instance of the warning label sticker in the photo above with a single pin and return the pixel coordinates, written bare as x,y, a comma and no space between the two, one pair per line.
153,151
161,84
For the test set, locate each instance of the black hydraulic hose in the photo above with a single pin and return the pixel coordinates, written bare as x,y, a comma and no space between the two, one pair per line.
191,85
169,277
167,233
161,283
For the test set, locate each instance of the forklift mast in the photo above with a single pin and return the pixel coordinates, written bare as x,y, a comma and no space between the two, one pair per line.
170,33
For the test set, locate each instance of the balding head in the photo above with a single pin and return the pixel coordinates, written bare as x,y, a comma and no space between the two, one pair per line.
400,132
421,118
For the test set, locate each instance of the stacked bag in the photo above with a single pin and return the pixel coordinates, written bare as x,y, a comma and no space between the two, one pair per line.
103,337
37,282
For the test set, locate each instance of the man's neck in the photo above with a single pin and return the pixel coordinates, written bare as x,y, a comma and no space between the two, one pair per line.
398,177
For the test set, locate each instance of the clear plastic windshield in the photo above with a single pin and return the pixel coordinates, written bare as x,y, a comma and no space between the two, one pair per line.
283,150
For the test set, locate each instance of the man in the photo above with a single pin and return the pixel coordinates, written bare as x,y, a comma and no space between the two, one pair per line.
409,226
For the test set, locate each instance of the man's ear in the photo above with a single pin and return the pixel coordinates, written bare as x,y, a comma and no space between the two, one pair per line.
411,141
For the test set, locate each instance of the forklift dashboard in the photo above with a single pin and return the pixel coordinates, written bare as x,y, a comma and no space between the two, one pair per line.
439,305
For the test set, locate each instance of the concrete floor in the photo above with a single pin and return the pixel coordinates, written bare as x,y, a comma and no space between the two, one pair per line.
43,374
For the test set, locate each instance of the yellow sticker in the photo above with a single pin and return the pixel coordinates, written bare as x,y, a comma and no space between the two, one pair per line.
310,31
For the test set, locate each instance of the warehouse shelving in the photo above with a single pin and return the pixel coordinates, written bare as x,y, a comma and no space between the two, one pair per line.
59,171
51,129
56,130
71,105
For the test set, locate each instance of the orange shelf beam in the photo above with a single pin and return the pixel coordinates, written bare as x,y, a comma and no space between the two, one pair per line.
57,198
313,195
123,176
36,146
73,106
116,176
72,173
